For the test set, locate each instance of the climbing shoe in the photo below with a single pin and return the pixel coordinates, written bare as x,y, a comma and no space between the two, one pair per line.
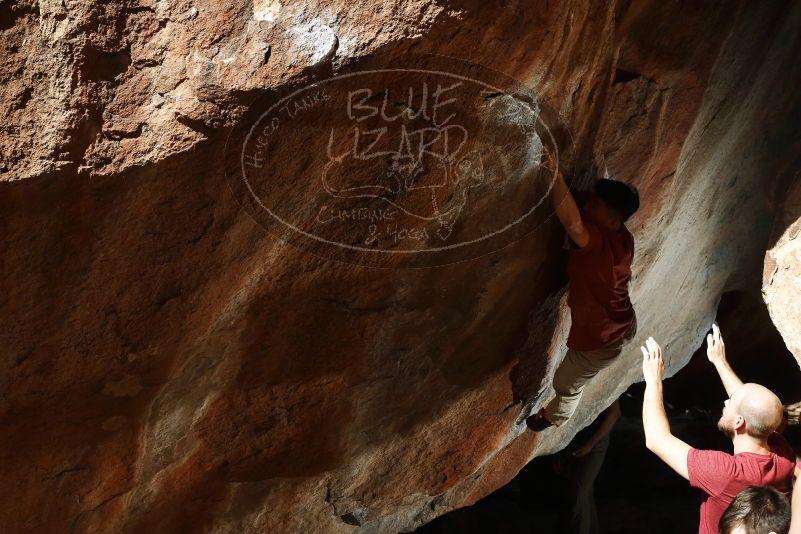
538,422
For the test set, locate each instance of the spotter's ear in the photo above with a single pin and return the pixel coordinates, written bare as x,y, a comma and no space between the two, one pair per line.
739,422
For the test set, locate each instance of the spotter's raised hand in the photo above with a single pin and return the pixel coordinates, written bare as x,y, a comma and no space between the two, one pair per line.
653,366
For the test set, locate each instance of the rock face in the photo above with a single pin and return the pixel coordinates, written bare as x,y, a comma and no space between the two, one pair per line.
167,365
782,276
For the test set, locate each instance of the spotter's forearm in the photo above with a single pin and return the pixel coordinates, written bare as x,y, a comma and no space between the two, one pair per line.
654,418
729,378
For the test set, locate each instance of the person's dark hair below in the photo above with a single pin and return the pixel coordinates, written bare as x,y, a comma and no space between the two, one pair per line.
756,510
621,197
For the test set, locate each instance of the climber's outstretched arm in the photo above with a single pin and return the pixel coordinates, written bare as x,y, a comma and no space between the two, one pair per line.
716,352
566,209
658,437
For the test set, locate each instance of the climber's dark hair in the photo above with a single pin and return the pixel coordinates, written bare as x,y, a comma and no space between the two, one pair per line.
621,197
757,509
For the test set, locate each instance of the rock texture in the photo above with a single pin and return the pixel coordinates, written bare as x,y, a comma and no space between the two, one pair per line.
782,276
167,366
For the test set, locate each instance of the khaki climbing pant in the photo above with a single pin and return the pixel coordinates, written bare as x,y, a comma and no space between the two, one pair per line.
575,371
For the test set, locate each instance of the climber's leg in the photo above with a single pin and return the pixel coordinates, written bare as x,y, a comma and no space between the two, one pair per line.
583,518
576,370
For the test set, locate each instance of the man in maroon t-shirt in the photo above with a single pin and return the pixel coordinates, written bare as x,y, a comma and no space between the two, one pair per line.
750,418
598,271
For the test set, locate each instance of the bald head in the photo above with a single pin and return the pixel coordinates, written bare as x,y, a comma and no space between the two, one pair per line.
760,407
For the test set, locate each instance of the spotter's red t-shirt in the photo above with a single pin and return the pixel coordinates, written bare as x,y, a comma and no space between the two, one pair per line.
722,476
598,295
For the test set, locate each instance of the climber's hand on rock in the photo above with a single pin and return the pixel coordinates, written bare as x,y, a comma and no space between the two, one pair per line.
653,366
715,349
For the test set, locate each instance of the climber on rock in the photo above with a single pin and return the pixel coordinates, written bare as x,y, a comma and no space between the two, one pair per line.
598,271
751,415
